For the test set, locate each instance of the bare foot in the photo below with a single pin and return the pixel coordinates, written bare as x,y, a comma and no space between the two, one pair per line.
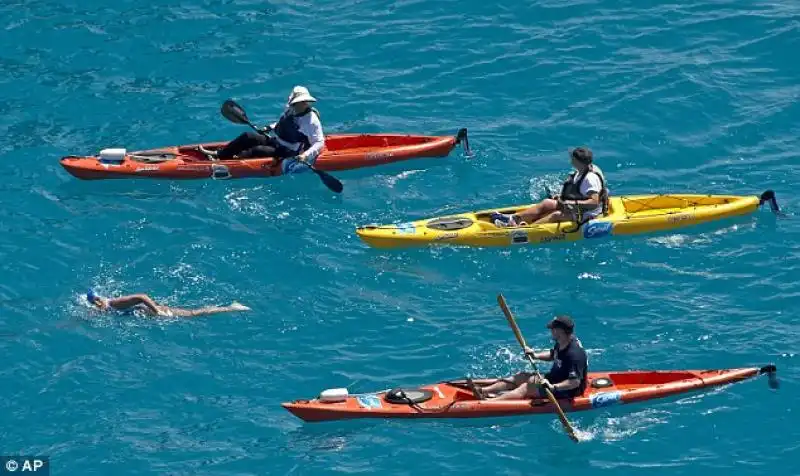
236,306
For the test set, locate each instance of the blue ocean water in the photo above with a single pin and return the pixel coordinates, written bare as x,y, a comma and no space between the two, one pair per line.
671,97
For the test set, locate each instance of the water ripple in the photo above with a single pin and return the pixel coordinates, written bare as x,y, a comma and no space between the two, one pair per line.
683,98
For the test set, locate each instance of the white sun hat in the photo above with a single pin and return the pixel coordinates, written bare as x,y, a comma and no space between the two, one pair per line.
300,94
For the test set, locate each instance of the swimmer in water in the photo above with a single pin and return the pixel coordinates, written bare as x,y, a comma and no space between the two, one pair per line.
143,302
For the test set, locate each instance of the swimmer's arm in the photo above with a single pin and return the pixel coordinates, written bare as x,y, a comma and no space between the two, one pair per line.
126,302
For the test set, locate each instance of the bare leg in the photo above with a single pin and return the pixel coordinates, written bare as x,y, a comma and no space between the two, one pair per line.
553,217
203,311
536,212
503,385
528,388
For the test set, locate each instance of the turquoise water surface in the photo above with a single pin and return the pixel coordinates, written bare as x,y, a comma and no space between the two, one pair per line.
672,97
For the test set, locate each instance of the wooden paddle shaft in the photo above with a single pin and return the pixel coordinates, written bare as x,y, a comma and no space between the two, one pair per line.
512,322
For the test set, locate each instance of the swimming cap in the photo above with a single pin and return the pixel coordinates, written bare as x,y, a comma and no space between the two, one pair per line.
90,296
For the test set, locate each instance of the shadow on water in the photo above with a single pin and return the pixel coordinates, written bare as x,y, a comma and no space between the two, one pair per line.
300,189
318,441
133,189
313,440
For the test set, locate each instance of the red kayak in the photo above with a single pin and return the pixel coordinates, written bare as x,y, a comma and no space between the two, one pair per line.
341,152
454,399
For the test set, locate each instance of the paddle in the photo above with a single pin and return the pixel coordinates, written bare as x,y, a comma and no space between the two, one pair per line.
236,114
570,431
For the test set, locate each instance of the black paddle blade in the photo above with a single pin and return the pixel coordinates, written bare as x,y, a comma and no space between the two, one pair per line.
330,181
234,112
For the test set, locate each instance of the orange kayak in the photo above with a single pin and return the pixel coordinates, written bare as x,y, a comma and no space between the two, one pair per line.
454,399
341,152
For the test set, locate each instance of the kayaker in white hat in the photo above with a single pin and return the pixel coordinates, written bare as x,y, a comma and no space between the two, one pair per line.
566,379
297,134
585,190
144,304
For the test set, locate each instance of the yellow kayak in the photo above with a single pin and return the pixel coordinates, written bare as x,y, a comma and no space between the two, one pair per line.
627,215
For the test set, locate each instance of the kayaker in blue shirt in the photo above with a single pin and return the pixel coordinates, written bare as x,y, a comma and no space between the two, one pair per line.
144,304
297,135
566,379
584,189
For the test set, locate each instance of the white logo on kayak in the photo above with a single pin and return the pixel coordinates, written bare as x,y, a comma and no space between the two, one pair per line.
597,229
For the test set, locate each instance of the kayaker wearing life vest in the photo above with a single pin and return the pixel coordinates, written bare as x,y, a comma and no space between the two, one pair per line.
584,191
298,133
566,379
143,303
